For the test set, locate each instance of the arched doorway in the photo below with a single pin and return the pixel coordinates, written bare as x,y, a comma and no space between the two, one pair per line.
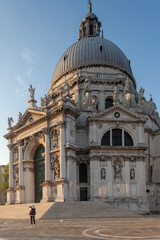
83,180
39,169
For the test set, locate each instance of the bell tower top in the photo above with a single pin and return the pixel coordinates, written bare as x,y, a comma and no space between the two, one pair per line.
90,26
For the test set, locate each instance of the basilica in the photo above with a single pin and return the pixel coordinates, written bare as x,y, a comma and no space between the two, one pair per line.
95,137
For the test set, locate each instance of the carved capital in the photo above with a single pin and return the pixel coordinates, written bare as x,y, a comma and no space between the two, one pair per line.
61,123
46,131
10,146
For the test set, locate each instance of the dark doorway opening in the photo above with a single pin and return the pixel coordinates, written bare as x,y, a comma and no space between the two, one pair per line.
39,172
83,194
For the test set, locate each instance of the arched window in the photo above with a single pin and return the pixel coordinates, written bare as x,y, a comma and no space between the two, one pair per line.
106,139
83,173
116,137
127,139
108,103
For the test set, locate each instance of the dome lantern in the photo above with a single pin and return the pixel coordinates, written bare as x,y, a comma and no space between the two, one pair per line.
90,26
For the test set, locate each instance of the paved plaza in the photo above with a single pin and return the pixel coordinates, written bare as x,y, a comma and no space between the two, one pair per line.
147,227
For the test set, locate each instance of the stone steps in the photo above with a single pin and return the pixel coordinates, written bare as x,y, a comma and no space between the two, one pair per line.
90,209
21,211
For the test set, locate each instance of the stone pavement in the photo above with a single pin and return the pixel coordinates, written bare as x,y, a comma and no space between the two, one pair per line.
145,228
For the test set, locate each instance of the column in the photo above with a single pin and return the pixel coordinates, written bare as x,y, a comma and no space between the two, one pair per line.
47,185
20,188
110,177
47,156
101,101
10,190
127,178
91,179
62,185
62,152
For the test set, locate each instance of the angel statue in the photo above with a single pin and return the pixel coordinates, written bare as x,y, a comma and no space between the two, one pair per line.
31,92
10,120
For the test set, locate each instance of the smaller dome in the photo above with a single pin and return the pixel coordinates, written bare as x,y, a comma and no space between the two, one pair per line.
89,15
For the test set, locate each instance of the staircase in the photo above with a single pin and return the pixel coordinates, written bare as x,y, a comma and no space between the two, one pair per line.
21,211
90,209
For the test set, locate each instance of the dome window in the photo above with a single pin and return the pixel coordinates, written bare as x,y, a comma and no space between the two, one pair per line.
91,29
100,48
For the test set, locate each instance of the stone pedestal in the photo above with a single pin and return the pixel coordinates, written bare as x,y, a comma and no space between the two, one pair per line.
62,189
47,191
20,194
10,196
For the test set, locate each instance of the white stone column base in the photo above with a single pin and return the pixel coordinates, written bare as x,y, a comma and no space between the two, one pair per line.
62,193
47,191
20,194
10,196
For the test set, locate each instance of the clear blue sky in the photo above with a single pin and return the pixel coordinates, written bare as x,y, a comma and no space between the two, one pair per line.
35,33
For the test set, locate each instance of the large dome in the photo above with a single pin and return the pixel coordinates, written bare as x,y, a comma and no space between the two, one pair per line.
92,51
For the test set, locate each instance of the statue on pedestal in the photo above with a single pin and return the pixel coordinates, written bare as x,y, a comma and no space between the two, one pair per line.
10,120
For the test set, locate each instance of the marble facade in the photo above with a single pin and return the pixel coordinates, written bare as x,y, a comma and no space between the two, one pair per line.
70,124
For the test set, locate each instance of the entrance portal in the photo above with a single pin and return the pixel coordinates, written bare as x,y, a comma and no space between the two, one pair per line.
83,194
39,170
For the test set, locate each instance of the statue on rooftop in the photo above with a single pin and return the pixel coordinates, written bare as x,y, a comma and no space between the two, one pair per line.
31,92
89,6
10,120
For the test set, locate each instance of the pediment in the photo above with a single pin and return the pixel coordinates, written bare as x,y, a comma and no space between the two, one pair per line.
117,113
29,117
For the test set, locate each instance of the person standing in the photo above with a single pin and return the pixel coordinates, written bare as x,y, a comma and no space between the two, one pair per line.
32,214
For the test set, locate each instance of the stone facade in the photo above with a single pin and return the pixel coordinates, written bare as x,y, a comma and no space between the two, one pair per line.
101,137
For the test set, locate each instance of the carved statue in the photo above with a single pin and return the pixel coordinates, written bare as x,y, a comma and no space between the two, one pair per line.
31,92
132,174
55,138
10,120
15,153
16,175
141,98
117,170
89,6
103,173
127,84
95,103
62,92
68,90
19,116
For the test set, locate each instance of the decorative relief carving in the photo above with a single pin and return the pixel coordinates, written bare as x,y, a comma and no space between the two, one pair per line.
15,153
55,165
16,174
103,173
54,138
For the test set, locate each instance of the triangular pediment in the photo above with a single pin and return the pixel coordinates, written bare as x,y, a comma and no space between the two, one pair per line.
117,113
30,116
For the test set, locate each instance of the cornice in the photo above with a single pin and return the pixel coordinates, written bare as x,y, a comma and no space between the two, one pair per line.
119,148
104,64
